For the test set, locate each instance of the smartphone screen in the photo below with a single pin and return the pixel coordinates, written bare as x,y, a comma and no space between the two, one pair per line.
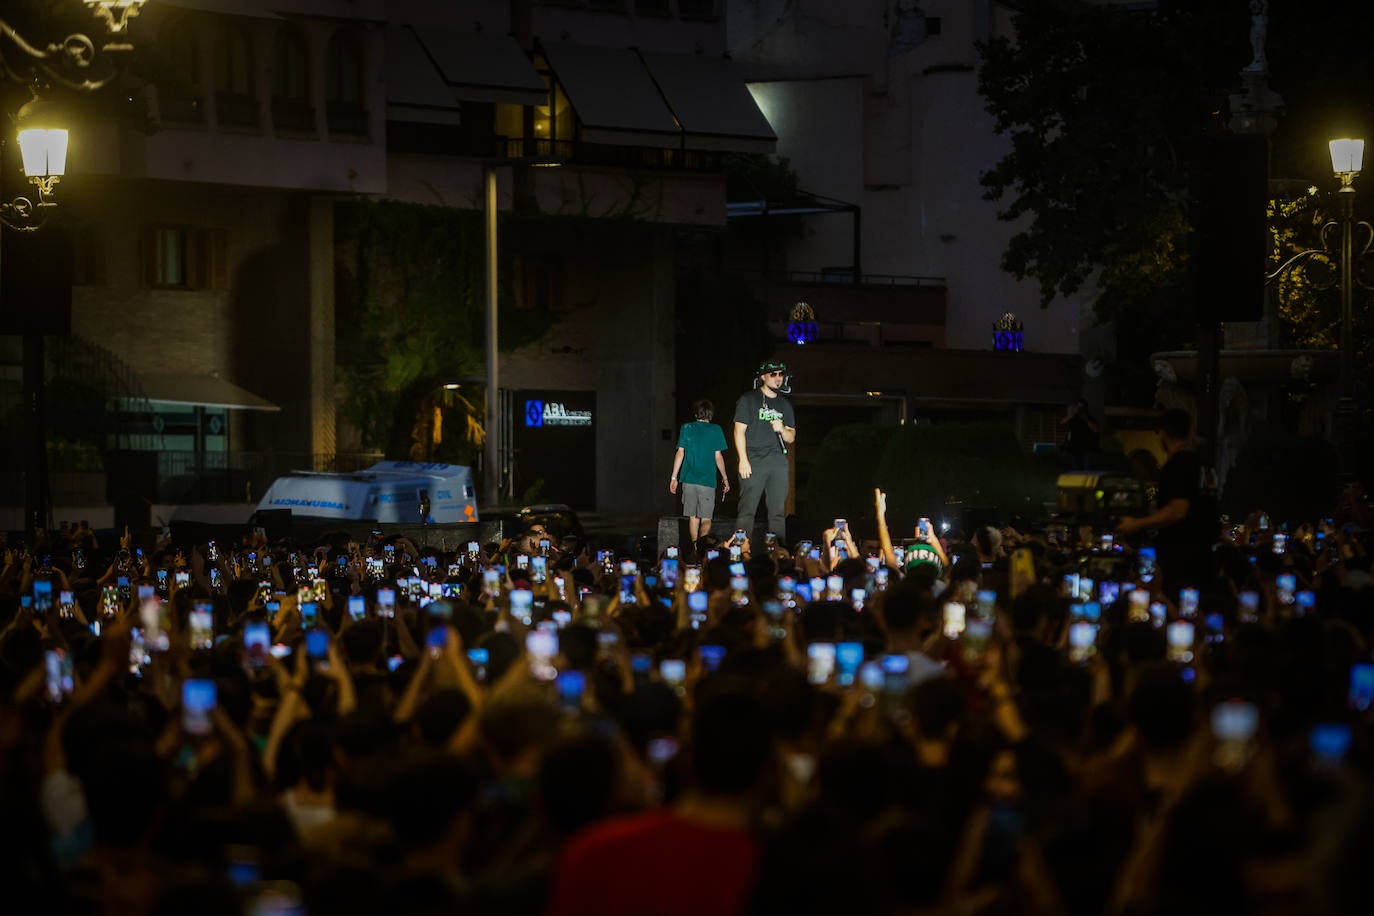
198,701
571,685
60,678
1082,641
954,617
317,644
848,657
386,602
521,600
820,662
696,605
1361,687
711,658
357,606
1180,636
668,569
627,589
673,671
541,646
256,643
202,620
42,595
479,659
834,586
1187,602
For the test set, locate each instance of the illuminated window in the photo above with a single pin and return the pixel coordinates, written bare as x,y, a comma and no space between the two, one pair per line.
185,257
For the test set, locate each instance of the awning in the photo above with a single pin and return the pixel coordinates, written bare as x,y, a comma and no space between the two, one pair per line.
711,102
415,89
481,67
201,391
615,99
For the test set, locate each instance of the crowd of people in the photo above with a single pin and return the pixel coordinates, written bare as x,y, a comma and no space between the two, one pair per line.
885,722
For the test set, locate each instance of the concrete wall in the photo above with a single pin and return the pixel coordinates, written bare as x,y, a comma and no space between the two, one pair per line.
619,343
902,131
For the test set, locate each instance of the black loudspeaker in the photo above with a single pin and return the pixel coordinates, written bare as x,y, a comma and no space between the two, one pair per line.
672,532
276,523
1230,227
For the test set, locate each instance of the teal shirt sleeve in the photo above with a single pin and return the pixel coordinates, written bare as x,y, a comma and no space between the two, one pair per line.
719,445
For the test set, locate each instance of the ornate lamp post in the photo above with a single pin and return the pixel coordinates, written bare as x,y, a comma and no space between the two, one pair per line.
43,140
1347,159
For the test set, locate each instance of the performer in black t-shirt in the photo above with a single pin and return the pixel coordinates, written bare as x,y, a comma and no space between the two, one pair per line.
764,427
1187,513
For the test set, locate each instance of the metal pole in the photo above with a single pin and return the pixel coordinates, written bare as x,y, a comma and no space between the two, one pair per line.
1345,407
36,507
491,459
1347,199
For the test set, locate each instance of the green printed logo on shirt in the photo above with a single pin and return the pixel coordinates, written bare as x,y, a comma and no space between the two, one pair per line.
768,414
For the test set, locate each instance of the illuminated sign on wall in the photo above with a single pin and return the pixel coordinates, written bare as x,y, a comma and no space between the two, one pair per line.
539,414
1008,335
801,324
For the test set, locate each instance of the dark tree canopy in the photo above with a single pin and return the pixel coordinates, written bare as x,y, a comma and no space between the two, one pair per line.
1106,109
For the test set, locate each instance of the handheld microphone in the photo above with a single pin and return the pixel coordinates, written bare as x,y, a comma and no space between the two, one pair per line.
781,444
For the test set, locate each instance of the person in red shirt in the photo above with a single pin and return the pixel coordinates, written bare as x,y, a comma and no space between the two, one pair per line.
700,854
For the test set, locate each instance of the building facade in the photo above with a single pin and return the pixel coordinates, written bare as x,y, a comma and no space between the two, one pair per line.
202,213
888,239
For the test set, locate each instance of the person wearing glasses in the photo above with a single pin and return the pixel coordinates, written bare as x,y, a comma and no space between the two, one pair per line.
764,428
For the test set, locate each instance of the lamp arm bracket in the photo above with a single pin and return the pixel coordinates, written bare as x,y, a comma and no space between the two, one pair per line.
1362,251
1289,264
21,215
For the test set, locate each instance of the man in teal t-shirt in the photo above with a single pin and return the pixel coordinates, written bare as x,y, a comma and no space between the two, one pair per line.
700,448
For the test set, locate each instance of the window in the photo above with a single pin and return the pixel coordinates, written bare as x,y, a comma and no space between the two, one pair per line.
179,95
88,256
291,84
235,104
346,107
185,257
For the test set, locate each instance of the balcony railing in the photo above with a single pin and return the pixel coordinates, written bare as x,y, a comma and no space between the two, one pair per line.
625,157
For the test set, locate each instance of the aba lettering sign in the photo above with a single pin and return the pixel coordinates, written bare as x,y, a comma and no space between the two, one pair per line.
540,413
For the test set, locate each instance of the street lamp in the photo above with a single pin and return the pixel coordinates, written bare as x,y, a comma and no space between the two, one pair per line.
1347,156
43,140
1347,159
43,151
42,145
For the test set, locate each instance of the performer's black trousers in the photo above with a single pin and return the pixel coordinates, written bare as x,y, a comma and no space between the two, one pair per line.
769,480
